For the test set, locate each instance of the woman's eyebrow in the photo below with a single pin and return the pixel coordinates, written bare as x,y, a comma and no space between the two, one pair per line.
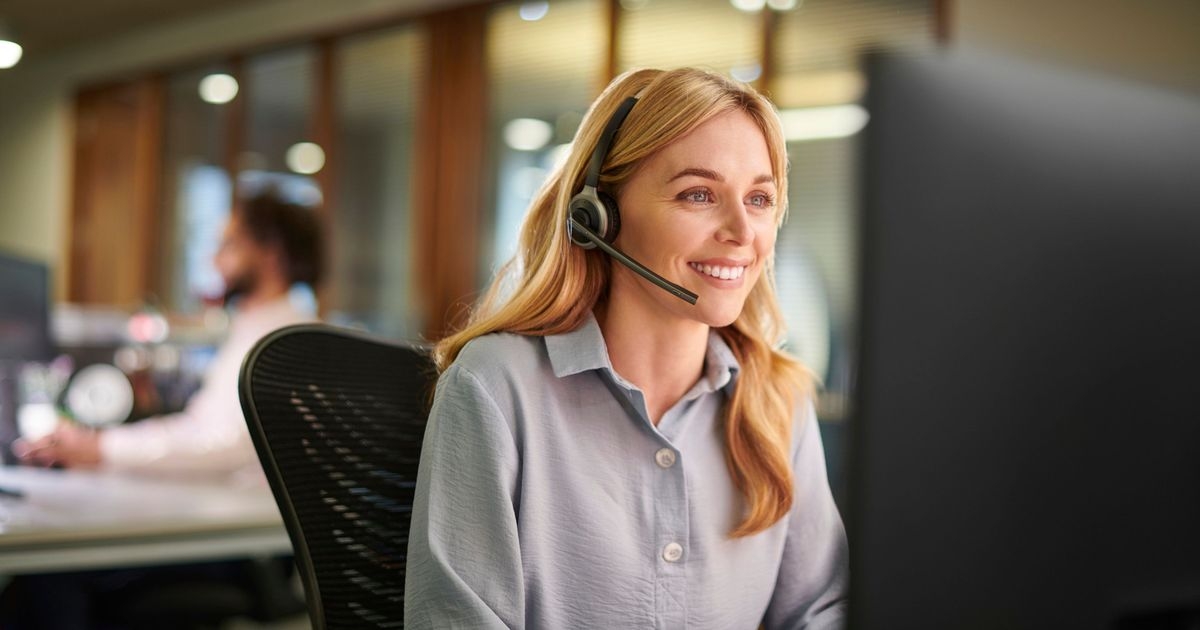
705,173
698,172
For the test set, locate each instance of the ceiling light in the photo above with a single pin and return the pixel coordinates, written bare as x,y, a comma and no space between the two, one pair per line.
746,73
10,50
10,53
783,5
218,88
527,134
749,6
534,11
305,158
818,123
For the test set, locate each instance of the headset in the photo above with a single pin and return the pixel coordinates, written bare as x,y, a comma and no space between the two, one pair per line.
593,218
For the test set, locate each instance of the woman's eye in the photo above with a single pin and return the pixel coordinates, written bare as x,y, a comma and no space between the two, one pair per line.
697,196
762,201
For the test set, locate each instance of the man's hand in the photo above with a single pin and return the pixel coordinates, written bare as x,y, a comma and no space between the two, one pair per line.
69,446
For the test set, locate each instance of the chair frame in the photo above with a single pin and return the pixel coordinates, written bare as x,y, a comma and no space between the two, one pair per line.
291,521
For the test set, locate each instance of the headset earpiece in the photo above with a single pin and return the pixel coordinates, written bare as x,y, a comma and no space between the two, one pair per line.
613,215
598,212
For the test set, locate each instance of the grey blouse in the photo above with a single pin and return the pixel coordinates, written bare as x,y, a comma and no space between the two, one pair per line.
547,499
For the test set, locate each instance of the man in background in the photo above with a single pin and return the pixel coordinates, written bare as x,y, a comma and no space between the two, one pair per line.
268,245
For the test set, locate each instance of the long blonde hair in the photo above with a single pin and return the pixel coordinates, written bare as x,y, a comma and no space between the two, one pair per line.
550,287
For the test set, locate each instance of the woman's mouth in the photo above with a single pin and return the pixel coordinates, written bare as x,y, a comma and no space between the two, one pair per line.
719,272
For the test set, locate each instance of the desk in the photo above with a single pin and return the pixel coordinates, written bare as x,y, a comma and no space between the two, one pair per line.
70,520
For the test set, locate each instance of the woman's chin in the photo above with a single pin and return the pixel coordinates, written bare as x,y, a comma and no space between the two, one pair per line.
718,317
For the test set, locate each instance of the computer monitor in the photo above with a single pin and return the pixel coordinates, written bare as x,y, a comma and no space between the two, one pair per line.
24,309
1025,439
24,334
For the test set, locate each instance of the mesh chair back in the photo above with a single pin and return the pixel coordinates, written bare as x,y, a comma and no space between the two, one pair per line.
337,419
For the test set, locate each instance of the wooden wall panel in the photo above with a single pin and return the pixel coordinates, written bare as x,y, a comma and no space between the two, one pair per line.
324,133
451,137
114,257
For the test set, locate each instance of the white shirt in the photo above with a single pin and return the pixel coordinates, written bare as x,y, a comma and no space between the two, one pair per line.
209,437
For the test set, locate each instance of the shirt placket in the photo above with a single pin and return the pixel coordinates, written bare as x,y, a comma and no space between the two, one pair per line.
672,536
671,526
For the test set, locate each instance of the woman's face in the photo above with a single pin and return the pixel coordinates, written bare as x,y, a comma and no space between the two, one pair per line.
700,212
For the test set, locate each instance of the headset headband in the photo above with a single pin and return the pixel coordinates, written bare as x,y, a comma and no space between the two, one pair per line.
606,138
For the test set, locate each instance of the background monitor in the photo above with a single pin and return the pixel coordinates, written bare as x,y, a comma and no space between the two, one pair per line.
24,309
1026,431
24,334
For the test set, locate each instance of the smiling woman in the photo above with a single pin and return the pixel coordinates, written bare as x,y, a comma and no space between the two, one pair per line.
601,453
702,209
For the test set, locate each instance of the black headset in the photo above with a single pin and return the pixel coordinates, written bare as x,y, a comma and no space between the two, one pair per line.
597,210
593,218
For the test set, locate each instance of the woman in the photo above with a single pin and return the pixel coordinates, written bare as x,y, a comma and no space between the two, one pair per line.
601,453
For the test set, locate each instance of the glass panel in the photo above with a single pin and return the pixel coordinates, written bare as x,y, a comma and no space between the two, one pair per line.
818,44
278,153
371,279
709,34
277,88
196,186
543,72
278,118
817,49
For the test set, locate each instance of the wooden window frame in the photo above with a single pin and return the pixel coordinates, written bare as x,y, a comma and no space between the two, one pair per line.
451,137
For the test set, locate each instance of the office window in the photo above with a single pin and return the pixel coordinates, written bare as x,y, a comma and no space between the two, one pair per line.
372,268
817,86
709,34
275,91
196,187
818,44
277,150
546,64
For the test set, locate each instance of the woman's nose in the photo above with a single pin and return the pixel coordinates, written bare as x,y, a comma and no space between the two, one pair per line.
736,227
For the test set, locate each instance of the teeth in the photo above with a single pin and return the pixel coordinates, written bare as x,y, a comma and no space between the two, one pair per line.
717,271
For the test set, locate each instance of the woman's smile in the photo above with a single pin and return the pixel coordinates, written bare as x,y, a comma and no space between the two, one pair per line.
722,273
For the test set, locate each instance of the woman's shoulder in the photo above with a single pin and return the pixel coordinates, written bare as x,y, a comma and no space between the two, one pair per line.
505,368
496,357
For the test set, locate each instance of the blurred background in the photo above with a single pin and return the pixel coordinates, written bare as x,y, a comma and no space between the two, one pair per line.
419,130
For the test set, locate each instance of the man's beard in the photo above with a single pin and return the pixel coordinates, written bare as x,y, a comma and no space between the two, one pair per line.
240,285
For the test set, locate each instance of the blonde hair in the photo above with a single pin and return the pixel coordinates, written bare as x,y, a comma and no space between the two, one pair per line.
557,285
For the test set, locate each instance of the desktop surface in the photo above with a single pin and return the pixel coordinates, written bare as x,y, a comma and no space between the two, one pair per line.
68,519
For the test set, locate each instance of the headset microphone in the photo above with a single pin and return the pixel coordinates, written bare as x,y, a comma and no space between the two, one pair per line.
670,287
593,218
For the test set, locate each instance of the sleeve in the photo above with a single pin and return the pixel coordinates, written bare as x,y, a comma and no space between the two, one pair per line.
208,437
810,591
464,558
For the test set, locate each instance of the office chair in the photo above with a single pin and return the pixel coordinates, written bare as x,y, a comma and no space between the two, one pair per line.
337,419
